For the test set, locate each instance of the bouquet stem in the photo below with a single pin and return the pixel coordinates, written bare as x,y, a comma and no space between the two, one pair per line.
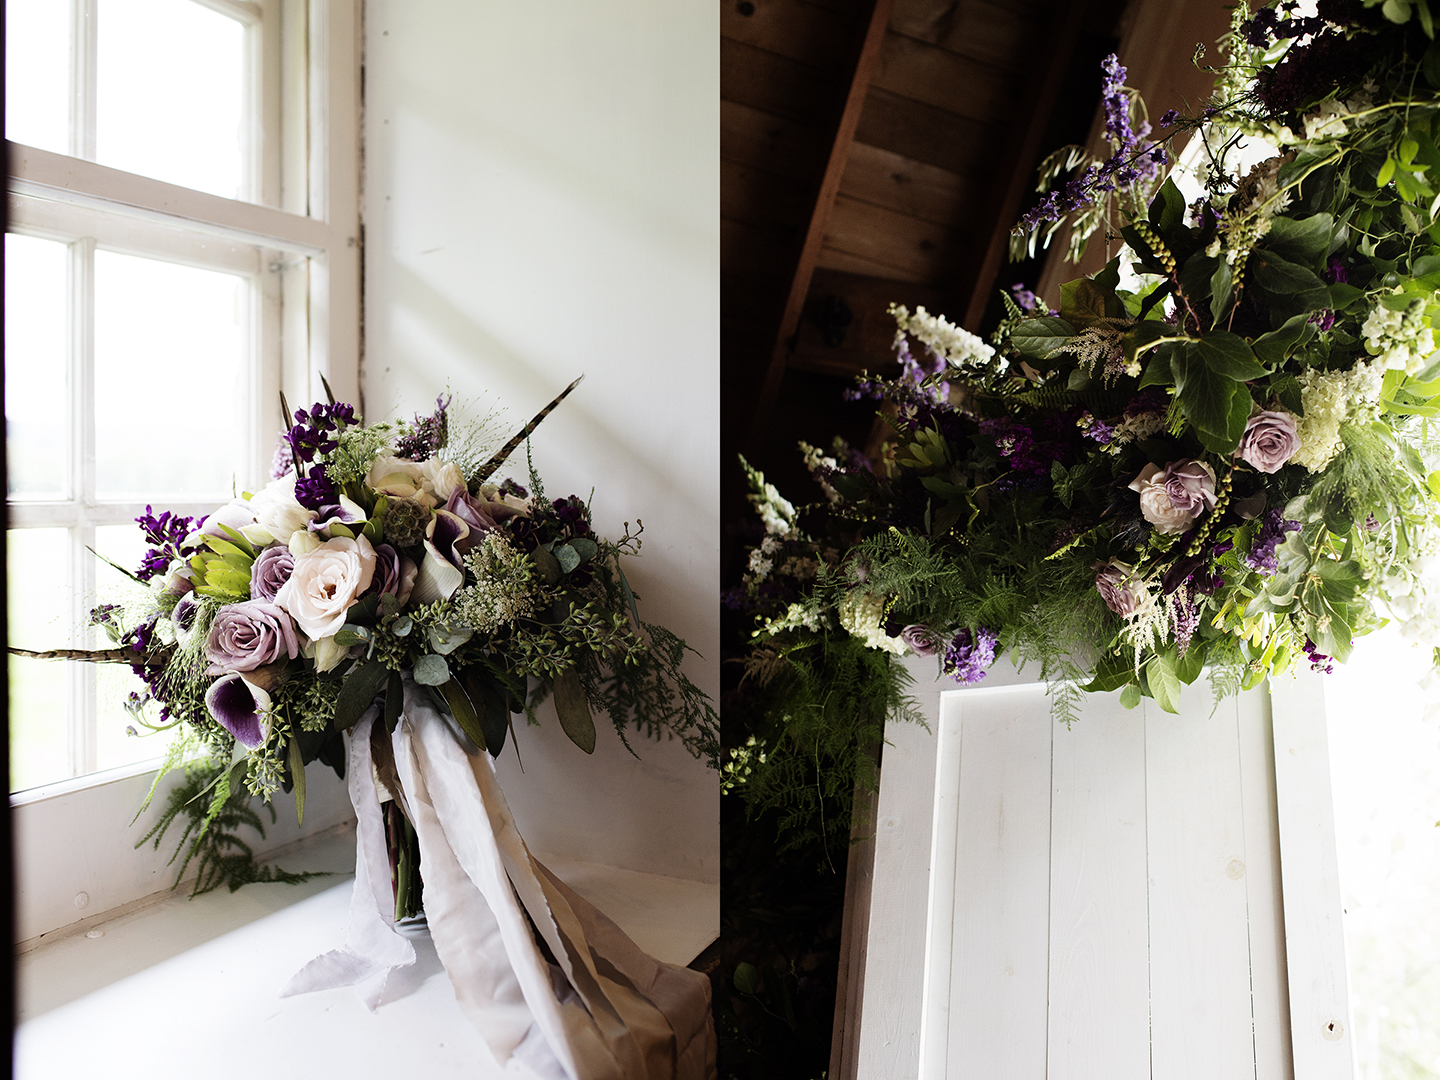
404,848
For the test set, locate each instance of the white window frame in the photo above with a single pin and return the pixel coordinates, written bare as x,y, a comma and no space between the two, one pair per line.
300,240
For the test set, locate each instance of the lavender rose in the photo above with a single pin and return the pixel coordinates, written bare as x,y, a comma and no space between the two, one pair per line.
271,570
1173,497
1269,441
394,573
921,639
249,635
1113,581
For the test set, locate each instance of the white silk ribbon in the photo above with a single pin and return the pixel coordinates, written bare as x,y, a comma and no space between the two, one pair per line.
539,972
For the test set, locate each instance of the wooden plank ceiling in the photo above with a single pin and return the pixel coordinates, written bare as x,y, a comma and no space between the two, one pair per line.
878,151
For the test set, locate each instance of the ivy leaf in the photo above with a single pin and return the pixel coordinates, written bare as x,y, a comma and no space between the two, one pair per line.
1210,401
1221,289
1229,354
1082,302
1160,371
1039,338
573,709
1277,345
1282,277
1304,241
1343,295
1164,683
1287,389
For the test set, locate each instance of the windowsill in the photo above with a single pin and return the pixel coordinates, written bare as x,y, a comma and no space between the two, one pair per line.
185,987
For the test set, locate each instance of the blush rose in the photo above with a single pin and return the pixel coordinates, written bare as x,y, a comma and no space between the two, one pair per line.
1173,497
325,582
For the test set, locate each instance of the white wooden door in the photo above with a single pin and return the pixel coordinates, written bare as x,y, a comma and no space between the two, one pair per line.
1138,895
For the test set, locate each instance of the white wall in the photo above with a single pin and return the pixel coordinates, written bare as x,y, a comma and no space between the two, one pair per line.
541,201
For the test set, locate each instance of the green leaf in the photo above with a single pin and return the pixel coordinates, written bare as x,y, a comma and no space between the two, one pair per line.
1386,173
339,529
463,711
746,978
548,565
1228,354
1130,696
567,557
1303,241
1167,209
629,594
1397,11
1189,666
1221,289
358,691
1343,295
1430,65
573,709
238,538
489,704
297,777
585,548
1082,302
1111,673
1217,405
1164,683
349,636
1038,339
1282,277
432,670
1287,389
1276,346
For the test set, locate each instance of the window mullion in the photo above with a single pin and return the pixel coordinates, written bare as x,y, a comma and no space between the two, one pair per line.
80,710
83,78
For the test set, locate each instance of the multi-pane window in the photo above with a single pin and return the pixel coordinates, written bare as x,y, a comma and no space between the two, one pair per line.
177,256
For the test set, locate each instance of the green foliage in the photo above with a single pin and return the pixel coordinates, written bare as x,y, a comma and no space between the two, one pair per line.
211,815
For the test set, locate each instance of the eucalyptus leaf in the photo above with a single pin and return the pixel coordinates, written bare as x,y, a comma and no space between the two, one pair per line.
548,565
402,626
431,670
445,639
573,709
567,557
586,548
1130,696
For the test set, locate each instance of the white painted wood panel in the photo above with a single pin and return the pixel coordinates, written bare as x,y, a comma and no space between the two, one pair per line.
1155,928
1099,948
1314,937
1200,1016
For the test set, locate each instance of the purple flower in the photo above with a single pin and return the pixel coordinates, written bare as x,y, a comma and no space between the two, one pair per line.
1318,660
249,635
1172,498
270,570
1273,527
239,706
920,638
183,616
969,655
283,459
314,430
1270,440
315,490
1335,272
427,434
1185,617
1170,117
394,574
165,533
480,514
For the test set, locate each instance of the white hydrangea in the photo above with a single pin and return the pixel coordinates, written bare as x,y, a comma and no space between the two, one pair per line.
1330,398
1401,339
862,614
958,346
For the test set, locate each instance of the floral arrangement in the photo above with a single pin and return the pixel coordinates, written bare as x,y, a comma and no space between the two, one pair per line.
1216,454
379,554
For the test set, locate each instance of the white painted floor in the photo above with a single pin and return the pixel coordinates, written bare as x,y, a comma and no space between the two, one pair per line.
186,988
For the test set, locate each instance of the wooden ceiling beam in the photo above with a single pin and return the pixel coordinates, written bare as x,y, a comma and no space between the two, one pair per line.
1017,175
863,72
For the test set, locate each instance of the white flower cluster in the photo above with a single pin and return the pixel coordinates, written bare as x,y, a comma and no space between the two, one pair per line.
1402,339
862,614
735,772
1411,597
501,593
1330,398
774,509
814,461
958,346
796,617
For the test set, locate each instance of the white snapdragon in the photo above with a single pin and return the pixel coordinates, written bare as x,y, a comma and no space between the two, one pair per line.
1401,339
1411,596
958,346
777,513
798,616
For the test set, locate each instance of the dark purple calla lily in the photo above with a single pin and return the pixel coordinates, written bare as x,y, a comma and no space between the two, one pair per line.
239,707
447,532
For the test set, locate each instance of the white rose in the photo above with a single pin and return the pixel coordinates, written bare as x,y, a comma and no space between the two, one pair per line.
441,478
277,515
325,582
411,479
325,652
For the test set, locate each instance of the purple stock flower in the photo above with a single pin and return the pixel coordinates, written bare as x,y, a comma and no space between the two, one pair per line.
249,635
1335,272
969,655
270,570
165,533
1318,660
1261,557
315,490
314,430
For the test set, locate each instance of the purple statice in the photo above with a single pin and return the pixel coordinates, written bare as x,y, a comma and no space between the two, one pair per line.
1318,660
164,533
427,433
969,655
315,490
1261,557
315,429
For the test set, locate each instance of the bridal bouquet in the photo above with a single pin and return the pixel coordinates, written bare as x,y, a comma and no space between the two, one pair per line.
380,555
1216,453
